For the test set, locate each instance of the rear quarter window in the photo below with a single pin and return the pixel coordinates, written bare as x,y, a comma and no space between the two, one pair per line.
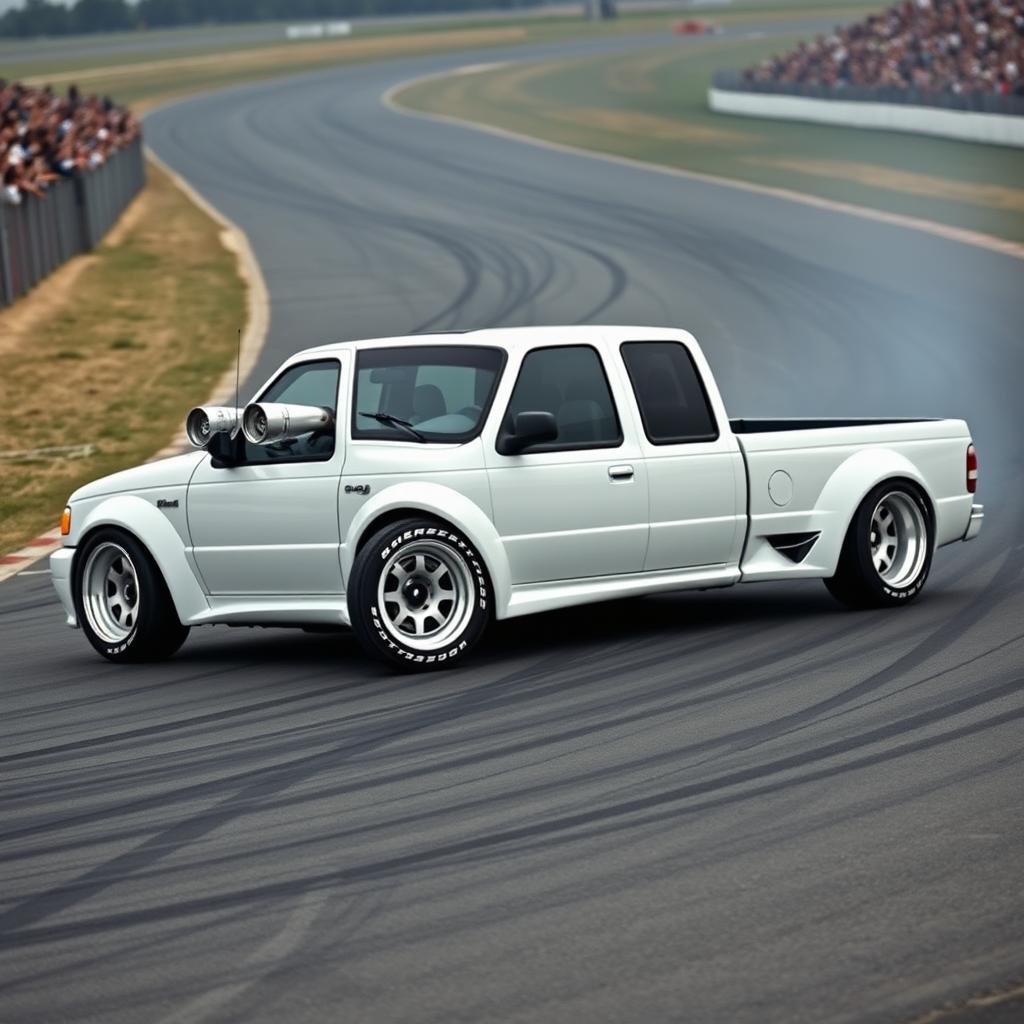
674,405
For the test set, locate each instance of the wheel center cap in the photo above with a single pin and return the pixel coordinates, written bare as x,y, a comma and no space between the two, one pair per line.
415,592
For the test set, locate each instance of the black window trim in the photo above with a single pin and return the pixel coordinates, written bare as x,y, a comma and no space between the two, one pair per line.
554,446
240,442
382,434
683,439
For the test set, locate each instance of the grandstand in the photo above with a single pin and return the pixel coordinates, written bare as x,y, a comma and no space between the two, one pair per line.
68,166
951,48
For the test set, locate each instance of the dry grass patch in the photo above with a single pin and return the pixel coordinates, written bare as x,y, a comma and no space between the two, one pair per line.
651,126
149,323
997,197
635,76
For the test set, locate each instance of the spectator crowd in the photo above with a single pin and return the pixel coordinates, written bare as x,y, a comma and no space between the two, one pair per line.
45,136
941,46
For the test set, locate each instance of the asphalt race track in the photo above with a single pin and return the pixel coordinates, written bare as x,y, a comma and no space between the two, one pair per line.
744,806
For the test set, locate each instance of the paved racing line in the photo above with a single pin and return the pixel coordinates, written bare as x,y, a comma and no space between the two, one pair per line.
743,805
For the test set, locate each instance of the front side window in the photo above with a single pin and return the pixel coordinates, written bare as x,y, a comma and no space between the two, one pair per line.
315,384
424,392
674,406
570,383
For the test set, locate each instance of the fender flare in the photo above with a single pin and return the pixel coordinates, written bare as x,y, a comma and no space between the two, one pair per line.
441,503
141,519
850,483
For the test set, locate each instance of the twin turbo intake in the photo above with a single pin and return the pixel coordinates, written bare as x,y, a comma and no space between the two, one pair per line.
261,422
266,422
206,420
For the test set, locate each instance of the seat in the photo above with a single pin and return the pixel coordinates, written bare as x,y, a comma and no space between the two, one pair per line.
428,403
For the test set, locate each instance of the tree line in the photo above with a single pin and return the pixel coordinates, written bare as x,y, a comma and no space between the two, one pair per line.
50,18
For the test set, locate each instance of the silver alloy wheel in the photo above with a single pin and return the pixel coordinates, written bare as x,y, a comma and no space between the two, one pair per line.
110,592
899,539
425,595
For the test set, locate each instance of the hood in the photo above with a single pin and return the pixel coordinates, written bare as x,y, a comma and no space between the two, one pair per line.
176,470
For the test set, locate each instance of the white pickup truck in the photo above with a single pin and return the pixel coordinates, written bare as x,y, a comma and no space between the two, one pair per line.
414,488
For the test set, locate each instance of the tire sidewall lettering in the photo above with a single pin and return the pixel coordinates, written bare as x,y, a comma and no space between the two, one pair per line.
901,594
122,647
391,645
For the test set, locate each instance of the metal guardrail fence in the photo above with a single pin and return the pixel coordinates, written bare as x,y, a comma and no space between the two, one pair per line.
975,102
38,235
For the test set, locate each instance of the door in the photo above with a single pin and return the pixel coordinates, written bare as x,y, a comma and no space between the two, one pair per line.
574,507
270,524
695,471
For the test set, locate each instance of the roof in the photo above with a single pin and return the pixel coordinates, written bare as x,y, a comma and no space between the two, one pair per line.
511,338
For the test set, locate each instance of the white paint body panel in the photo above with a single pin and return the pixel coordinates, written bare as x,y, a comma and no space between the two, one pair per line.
264,530
275,542
832,469
697,492
269,528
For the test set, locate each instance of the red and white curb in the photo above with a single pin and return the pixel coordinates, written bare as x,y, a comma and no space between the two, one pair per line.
234,239
45,544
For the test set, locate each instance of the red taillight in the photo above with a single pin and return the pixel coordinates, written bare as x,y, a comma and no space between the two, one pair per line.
972,469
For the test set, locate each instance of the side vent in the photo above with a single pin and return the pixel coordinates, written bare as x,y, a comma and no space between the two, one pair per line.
795,546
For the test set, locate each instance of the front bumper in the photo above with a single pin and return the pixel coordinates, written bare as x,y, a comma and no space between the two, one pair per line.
60,573
974,526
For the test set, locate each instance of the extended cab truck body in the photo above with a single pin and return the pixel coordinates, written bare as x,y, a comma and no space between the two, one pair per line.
414,487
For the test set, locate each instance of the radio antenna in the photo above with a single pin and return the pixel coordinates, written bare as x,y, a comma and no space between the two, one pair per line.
238,371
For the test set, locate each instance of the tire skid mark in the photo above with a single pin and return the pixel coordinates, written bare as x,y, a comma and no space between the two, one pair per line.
257,786
15,929
498,752
287,941
584,675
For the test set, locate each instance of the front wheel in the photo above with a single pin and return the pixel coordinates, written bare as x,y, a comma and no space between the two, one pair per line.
887,552
419,596
122,601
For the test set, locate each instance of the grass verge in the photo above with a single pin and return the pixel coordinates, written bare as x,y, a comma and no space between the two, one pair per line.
653,106
110,349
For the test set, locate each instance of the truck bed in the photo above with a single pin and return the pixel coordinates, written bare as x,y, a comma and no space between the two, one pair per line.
805,476
766,426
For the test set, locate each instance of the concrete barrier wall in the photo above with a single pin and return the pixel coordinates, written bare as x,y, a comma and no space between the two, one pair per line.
998,129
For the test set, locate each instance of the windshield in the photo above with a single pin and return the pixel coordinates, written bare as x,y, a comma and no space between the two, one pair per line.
428,392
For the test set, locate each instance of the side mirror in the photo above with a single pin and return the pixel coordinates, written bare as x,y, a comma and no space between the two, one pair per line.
224,449
528,429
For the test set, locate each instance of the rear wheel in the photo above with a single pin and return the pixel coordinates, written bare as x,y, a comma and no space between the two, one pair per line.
123,605
887,553
419,596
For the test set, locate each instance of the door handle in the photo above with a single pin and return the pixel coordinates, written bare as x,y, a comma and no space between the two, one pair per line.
620,472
